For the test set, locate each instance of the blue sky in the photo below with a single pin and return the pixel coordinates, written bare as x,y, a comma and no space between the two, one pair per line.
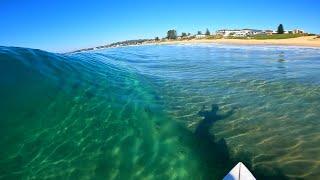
64,25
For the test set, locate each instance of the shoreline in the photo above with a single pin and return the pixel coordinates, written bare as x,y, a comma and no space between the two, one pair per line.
305,41
302,42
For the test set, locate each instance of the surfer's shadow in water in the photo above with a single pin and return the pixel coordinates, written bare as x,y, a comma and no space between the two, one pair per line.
215,154
209,118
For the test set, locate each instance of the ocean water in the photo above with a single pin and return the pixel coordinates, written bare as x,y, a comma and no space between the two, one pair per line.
160,112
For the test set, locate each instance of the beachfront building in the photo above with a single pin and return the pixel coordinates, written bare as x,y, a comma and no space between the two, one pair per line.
297,31
238,32
252,32
200,36
269,32
227,32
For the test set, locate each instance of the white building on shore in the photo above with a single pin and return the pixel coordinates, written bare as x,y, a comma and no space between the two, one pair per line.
253,32
238,32
200,36
297,31
227,32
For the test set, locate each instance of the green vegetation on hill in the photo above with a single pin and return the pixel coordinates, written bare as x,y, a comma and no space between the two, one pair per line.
235,37
214,37
277,36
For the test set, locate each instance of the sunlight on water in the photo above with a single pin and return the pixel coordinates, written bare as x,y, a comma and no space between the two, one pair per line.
160,112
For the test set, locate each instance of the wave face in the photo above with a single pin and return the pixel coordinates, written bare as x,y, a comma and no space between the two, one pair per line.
160,112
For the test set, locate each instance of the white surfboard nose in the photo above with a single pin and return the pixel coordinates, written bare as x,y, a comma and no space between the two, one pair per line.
239,172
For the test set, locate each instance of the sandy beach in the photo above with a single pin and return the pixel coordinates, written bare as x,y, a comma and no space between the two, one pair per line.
306,41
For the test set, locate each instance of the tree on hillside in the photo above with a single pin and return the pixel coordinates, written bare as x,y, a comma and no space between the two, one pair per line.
156,39
280,29
183,34
199,32
207,32
172,34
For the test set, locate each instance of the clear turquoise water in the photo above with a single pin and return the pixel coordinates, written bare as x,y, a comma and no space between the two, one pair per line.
160,112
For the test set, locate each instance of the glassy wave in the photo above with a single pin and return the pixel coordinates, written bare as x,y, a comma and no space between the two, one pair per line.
160,112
